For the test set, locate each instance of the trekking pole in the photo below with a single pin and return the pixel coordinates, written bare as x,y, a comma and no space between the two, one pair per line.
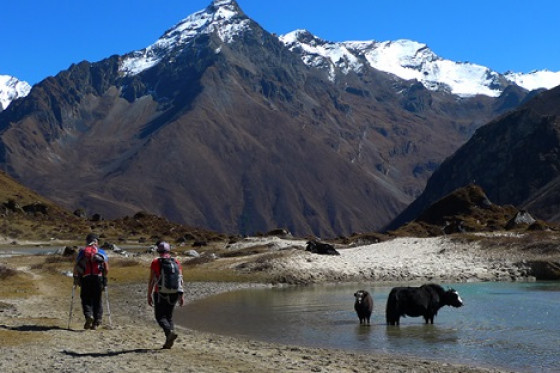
108,308
71,307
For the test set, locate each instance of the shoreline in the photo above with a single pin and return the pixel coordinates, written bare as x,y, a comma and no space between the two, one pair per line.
378,326
133,343
407,361
34,337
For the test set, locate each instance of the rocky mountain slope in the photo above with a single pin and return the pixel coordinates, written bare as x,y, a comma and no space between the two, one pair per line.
220,125
514,159
27,216
469,210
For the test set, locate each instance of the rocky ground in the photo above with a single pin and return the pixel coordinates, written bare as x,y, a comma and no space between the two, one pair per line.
34,316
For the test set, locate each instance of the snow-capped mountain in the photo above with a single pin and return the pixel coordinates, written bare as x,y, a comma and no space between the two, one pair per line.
406,59
535,79
247,136
10,89
222,16
409,59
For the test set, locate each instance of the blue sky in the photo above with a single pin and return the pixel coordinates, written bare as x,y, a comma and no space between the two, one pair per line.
41,38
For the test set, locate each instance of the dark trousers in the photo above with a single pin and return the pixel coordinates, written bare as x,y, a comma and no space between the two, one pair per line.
91,294
163,307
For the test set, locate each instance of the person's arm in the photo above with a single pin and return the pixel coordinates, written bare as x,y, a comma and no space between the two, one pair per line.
182,295
104,267
105,272
151,287
75,271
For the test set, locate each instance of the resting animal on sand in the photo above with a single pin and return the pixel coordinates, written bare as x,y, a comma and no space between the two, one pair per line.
321,248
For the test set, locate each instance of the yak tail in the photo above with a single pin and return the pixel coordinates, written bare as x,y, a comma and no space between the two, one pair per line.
391,311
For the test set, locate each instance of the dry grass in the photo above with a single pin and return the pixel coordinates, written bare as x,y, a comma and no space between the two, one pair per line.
125,271
6,272
261,263
50,270
19,285
252,250
16,337
232,268
203,259
362,239
124,262
54,264
532,242
202,274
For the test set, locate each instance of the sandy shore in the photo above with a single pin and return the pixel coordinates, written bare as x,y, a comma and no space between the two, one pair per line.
34,338
399,260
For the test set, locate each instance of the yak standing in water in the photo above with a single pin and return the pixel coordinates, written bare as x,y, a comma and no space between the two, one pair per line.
425,301
363,306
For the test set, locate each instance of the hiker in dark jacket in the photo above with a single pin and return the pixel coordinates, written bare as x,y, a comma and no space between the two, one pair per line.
90,273
165,288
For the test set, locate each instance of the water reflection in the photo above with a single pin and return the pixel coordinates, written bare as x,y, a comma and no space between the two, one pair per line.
432,334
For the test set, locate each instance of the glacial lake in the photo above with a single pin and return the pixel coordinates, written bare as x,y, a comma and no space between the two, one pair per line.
514,325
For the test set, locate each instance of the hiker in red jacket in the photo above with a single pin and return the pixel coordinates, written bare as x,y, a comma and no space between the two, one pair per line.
90,273
165,288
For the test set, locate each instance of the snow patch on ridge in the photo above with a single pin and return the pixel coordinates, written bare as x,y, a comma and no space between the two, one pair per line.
10,89
535,79
408,60
221,17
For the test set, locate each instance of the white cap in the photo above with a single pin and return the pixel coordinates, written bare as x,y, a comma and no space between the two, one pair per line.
163,247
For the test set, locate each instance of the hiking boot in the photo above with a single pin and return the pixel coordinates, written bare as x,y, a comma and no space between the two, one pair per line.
95,325
89,323
171,337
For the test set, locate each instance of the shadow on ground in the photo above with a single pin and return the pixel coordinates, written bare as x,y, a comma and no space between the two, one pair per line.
32,328
109,353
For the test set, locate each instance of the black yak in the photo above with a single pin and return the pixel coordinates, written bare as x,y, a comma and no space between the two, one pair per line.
363,306
424,301
321,248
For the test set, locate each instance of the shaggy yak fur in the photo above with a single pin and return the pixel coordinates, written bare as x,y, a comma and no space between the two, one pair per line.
424,301
363,306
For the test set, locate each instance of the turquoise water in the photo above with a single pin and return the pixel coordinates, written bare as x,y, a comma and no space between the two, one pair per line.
509,325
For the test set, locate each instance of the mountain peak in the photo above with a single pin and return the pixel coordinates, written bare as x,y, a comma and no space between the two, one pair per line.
10,89
300,35
224,10
222,17
404,58
227,4
411,60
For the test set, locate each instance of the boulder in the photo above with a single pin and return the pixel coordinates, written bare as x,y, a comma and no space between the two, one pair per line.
545,270
280,232
192,253
521,218
81,213
69,251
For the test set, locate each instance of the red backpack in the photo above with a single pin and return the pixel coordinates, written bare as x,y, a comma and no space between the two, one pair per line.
91,262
